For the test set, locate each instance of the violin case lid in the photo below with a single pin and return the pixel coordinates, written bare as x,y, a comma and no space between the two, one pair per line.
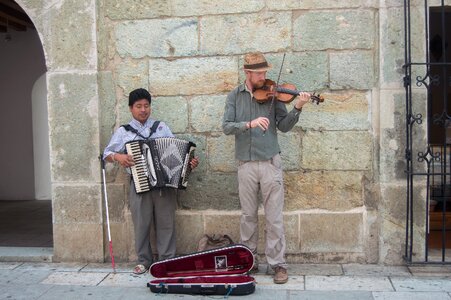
221,271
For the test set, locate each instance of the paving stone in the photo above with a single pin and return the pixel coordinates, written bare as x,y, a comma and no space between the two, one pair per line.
375,270
315,269
426,284
25,292
126,280
74,278
86,292
430,270
411,296
108,268
63,267
18,277
9,265
15,254
266,282
336,295
265,294
347,283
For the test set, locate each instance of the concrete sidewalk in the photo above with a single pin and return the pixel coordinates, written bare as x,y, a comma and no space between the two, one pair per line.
40,280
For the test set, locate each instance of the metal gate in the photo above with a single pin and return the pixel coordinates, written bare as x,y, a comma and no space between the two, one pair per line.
427,82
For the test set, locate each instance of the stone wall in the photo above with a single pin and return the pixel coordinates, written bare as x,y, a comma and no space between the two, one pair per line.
189,54
342,161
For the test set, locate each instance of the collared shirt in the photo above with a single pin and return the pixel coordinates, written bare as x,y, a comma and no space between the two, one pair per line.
121,136
254,143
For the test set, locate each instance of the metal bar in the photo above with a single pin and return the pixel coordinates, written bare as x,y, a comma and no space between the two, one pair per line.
445,110
407,66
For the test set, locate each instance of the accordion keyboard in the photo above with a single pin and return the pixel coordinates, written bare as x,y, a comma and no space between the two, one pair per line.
140,171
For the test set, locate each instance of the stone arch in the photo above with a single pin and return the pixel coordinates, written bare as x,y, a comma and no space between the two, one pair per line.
67,30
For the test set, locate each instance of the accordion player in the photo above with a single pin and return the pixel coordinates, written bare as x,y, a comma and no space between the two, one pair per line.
160,162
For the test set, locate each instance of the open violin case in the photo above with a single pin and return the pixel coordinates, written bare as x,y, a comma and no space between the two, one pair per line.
221,271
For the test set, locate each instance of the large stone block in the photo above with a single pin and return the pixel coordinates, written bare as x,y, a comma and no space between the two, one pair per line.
229,223
171,110
132,74
73,103
333,190
394,203
335,150
319,4
393,136
352,70
291,226
107,103
331,232
192,76
290,145
157,38
340,111
200,152
221,153
117,202
213,191
337,29
136,9
308,71
223,223
123,115
190,228
244,33
71,34
392,45
73,125
78,243
207,113
76,204
218,7
371,236
75,158
123,241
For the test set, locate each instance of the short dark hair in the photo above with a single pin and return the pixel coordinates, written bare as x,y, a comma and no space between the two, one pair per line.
138,94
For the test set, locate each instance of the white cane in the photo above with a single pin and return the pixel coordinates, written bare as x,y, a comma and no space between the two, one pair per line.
107,213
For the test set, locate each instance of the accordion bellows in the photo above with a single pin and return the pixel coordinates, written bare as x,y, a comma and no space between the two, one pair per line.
160,162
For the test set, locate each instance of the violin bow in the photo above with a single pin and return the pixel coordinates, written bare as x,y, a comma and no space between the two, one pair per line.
277,84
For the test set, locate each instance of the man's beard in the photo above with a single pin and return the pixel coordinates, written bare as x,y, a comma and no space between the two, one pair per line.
259,84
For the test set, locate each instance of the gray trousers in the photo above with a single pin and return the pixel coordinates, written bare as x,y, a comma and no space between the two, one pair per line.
154,208
267,177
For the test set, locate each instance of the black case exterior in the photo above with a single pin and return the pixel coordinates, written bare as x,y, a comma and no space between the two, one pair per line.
219,271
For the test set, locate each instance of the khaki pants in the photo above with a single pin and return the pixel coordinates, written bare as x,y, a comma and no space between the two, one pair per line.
267,177
154,208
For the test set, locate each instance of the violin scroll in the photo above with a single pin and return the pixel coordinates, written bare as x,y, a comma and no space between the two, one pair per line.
316,98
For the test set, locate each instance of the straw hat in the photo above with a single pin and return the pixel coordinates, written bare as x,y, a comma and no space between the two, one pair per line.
255,62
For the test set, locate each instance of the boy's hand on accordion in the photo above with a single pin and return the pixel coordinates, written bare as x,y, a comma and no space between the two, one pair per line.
124,160
194,162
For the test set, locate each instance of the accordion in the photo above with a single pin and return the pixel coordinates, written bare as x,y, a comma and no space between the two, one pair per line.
160,162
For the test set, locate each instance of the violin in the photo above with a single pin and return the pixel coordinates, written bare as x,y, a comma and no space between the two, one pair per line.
285,93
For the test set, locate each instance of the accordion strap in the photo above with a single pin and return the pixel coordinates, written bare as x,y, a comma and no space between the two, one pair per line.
128,127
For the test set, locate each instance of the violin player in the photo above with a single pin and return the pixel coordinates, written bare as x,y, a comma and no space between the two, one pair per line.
257,151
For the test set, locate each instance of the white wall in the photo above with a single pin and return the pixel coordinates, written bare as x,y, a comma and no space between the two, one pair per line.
21,63
42,182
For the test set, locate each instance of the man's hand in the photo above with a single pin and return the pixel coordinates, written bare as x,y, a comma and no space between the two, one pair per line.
124,160
261,122
303,98
194,162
